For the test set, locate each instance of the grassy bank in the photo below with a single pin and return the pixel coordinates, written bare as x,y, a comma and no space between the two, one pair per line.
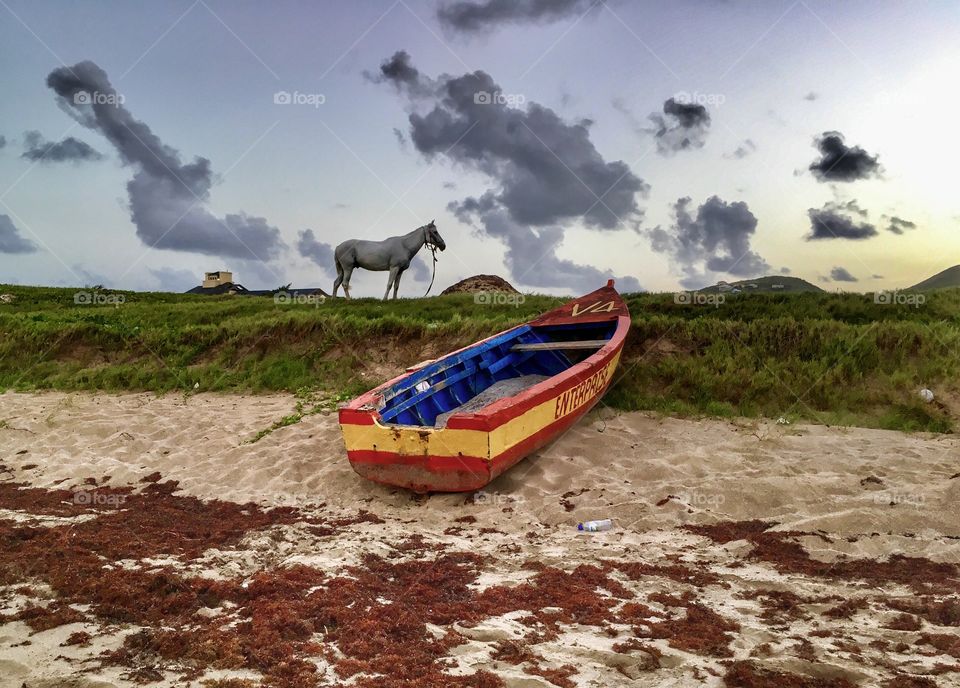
822,357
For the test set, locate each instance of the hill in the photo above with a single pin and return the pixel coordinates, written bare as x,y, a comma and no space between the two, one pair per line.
480,283
942,280
774,284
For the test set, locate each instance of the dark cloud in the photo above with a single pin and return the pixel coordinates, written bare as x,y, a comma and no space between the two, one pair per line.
480,16
401,138
785,270
531,254
167,197
174,279
840,221
547,171
743,150
421,271
811,96
3,141
898,225
320,253
717,239
398,70
11,241
682,126
839,274
69,149
842,163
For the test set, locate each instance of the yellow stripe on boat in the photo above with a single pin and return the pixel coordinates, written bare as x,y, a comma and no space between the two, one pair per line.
426,441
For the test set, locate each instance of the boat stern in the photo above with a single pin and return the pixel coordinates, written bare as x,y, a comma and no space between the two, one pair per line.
422,459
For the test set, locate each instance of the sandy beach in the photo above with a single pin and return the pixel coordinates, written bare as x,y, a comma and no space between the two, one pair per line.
743,553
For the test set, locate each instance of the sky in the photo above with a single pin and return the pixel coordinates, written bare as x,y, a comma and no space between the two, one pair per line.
557,144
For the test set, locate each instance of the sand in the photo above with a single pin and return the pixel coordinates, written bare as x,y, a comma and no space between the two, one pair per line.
854,494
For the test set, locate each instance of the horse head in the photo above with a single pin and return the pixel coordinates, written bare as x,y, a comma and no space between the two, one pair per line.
432,237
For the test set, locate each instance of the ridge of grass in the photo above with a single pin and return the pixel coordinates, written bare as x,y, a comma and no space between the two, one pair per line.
828,358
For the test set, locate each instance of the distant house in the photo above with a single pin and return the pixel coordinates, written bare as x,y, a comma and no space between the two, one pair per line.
723,286
776,286
215,279
221,282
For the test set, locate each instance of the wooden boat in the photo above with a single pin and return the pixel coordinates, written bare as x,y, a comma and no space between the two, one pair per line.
440,428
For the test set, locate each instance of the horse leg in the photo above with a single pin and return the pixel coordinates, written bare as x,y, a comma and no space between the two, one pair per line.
390,282
347,272
396,283
337,282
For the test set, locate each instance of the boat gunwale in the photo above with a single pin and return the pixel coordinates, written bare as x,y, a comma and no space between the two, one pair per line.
502,410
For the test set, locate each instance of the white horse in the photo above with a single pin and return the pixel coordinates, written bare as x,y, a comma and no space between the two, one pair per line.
393,254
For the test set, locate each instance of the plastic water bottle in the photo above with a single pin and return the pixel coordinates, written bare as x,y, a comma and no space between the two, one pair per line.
595,526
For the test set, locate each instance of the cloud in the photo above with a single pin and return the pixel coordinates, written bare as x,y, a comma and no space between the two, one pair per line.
743,150
839,274
320,253
167,197
811,96
682,126
68,150
174,279
531,254
421,271
401,138
11,240
639,127
785,270
546,171
3,141
898,225
483,16
840,221
716,239
90,277
842,163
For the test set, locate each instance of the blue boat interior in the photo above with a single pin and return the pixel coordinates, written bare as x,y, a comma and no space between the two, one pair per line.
450,382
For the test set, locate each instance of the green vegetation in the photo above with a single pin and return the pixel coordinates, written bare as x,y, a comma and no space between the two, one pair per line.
830,358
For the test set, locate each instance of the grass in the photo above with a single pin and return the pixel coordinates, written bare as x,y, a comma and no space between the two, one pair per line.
829,358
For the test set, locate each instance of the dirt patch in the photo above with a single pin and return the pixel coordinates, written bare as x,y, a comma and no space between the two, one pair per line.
480,283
